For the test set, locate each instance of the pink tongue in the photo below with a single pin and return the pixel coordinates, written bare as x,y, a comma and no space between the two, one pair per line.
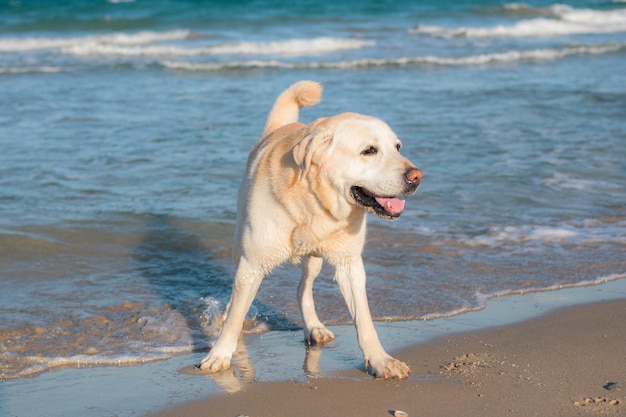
391,204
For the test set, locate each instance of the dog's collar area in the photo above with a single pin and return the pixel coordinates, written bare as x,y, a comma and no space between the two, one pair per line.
388,208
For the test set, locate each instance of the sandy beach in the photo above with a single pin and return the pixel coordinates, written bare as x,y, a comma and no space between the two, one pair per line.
552,353
569,362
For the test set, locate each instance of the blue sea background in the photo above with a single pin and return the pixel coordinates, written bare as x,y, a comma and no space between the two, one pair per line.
125,127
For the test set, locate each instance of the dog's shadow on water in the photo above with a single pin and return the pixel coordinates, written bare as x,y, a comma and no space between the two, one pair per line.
181,270
177,261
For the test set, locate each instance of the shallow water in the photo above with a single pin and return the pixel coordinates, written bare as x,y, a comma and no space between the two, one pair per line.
124,130
270,356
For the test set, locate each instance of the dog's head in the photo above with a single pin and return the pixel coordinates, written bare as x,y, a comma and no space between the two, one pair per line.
359,157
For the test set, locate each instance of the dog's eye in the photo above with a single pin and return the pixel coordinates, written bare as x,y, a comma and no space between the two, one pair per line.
370,150
398,146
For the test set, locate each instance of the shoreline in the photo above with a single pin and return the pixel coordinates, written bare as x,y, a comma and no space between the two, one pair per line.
279,361
568,362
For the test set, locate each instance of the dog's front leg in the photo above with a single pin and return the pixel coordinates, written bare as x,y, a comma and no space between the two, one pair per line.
350,275
245,286
315,333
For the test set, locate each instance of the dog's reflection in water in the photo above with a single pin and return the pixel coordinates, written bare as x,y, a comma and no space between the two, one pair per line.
311,365
234,379
242,373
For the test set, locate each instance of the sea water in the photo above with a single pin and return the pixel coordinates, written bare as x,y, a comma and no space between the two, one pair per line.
125,128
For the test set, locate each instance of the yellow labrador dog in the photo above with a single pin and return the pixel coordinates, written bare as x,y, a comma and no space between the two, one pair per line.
304,199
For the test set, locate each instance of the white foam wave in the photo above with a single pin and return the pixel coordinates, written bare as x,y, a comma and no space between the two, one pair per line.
146,44
482,59
39,364
518,6
559,20
24,70
214,315
480,299
292,47
535,237
110,49
521,234
120,39
225,66
560,180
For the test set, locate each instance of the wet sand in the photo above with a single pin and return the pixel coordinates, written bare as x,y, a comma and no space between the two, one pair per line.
568,362
540,353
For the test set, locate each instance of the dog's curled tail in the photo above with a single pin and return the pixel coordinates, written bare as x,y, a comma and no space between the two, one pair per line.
288,104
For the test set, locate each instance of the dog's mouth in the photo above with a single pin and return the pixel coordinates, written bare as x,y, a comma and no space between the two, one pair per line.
388,208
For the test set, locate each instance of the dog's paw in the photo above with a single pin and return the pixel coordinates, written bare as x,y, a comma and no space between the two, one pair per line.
388,367
214,362
320,336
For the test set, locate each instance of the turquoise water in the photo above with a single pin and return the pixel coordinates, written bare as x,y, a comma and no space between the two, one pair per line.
125,127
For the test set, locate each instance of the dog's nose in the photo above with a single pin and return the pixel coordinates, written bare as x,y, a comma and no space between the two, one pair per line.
413,175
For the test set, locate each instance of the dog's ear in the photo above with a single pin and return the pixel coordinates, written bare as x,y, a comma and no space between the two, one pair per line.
304,152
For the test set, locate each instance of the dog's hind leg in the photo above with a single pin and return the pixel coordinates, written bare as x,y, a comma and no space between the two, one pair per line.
245,286
314,331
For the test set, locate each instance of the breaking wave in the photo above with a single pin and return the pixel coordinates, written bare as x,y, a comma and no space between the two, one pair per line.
147,44
556,20
24,70
119,39
481,59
